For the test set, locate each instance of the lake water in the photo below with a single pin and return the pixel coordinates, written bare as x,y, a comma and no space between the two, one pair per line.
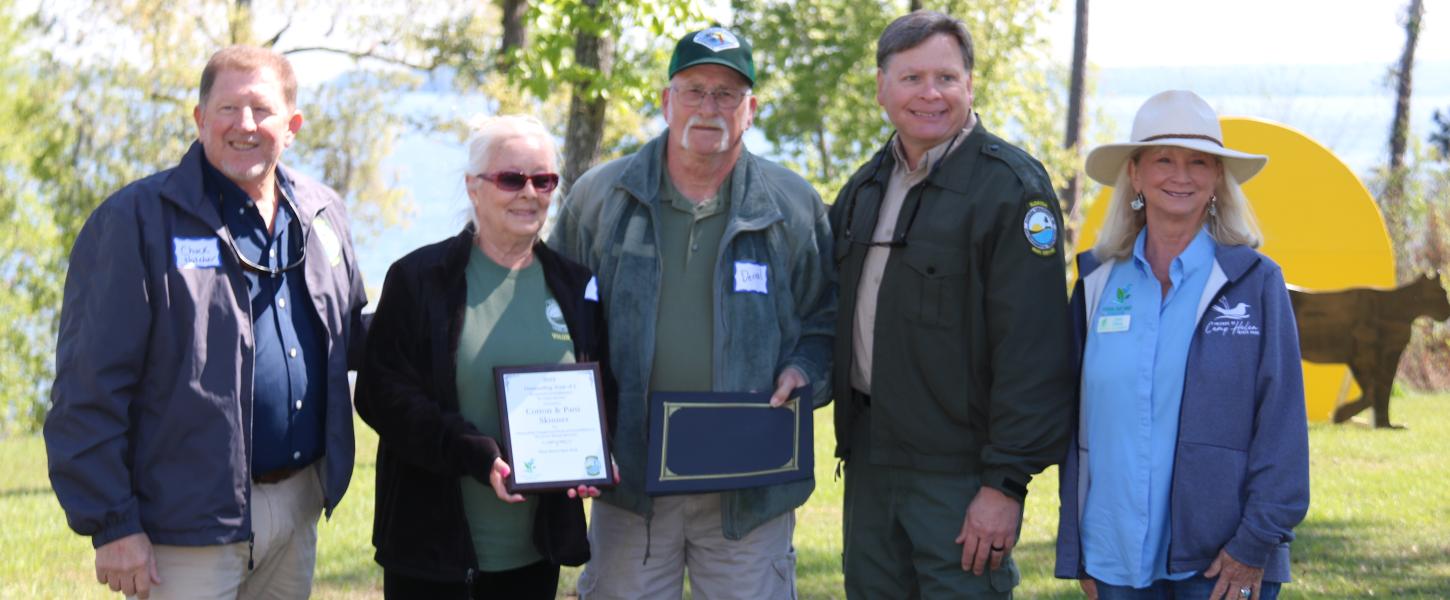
1346,108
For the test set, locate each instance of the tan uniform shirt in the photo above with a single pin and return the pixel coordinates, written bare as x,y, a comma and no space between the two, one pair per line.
902,179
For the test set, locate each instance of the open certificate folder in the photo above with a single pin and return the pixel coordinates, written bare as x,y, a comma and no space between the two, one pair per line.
713,441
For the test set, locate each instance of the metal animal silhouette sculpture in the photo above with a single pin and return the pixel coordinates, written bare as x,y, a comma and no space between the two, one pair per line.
1366,329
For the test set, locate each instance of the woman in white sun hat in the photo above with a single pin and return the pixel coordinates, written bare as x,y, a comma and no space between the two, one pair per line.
1189,463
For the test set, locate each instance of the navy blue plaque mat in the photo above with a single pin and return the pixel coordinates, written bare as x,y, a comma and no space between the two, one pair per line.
714,441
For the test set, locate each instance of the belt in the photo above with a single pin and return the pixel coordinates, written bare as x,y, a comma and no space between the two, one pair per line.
276,476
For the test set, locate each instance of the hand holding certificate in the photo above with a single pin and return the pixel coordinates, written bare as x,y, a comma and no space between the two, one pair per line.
553,427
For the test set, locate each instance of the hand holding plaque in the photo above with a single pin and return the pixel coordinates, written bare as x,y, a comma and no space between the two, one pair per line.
553,427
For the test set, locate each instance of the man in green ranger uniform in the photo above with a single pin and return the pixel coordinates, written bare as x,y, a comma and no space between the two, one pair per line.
953,362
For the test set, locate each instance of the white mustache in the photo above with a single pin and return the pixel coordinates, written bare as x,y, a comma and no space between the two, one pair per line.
716,121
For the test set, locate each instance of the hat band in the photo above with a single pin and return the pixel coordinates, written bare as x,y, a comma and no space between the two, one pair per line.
1192,136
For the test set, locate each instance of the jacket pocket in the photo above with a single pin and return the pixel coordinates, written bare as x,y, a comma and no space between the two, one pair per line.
1207,499
935,286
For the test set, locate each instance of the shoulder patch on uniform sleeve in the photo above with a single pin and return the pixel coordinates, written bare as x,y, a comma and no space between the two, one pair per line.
1040,227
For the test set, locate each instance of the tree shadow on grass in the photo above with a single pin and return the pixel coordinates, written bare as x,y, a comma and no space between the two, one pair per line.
357,574
24,491
1334,551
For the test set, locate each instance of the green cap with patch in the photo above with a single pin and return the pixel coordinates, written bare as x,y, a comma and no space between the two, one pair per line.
715,45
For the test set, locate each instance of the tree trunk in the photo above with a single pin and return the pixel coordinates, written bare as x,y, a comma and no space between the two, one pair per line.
586,109
824,148
1399,130
914,6
515,33
240,23
1071,194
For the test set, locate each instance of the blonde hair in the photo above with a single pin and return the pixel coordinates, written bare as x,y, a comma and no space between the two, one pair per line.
1235,224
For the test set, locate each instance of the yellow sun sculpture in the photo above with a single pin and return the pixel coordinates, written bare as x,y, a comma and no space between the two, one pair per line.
1320,224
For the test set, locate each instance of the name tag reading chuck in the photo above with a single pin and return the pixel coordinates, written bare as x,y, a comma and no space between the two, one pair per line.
1114,323
196,253
751,277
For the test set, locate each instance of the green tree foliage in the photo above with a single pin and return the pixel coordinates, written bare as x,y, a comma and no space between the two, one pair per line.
30,249
817,64
120,82
638,37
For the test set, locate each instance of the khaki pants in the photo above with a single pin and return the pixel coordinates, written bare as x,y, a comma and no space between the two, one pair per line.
685,534
284,551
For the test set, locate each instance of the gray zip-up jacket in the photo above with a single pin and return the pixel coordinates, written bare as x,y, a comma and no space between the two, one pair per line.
608,224
151,424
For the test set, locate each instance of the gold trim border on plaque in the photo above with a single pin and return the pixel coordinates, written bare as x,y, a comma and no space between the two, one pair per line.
793,405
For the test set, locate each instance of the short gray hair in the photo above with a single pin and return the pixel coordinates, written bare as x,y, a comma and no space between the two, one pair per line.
1235,224
909,31
486,134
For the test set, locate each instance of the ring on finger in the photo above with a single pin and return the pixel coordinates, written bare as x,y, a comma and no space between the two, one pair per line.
1246,592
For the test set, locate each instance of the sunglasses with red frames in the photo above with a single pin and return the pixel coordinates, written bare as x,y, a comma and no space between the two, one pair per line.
513,181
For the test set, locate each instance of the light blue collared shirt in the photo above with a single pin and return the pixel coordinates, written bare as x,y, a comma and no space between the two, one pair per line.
1132,390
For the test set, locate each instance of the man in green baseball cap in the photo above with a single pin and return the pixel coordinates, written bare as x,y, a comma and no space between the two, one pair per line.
715,273
715,45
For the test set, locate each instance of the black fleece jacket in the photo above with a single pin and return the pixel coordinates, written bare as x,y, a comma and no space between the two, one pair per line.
407,392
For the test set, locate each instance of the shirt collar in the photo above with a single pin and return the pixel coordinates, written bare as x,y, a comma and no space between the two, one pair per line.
933,155
1198,255
217,185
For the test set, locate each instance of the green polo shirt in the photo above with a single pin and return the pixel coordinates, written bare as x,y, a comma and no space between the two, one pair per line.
510,319
689,236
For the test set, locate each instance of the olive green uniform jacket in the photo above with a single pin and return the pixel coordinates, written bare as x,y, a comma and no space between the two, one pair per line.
974,368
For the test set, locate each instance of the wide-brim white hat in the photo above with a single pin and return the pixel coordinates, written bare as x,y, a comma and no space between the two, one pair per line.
1173,118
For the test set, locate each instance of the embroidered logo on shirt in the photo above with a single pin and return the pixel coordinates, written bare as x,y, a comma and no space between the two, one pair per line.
1230,320
1040,227
196,253
556,319
1114,316
331,245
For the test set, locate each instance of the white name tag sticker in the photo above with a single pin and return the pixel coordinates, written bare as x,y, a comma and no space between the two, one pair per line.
752,277
197,253
1114,324
591,291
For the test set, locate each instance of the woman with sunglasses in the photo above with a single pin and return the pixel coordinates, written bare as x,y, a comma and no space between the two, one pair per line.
445,526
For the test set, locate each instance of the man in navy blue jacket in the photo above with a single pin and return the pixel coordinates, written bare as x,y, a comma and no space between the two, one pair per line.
201,419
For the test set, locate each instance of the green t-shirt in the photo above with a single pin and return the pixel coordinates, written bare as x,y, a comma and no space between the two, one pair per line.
689,247
510,319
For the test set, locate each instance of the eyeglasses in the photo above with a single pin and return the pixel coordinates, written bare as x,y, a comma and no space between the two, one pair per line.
513,181
724,98
295,232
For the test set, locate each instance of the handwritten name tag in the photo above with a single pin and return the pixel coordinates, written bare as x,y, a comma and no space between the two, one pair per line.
1114,324
197,253
751,277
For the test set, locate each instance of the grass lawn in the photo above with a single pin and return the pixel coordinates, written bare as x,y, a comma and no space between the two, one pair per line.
1379,523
